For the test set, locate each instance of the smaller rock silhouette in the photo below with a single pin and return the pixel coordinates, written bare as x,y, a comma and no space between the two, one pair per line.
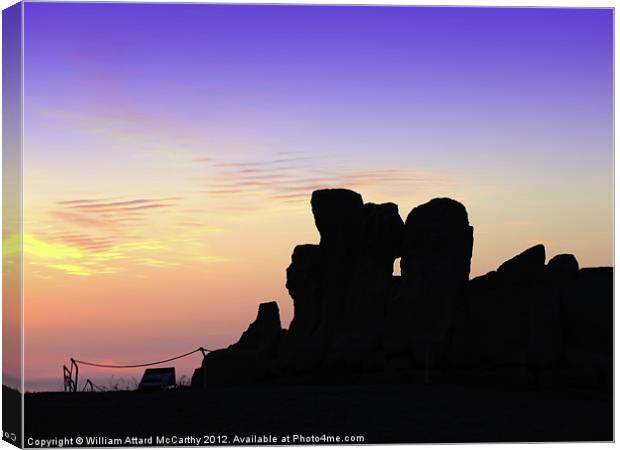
252,358
526,262
564,265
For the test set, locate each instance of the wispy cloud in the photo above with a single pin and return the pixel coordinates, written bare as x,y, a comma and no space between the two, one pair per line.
95,236
85,242
291,178
84,220
88,236
108,213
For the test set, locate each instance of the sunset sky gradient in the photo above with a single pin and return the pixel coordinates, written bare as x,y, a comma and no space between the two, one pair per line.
170,152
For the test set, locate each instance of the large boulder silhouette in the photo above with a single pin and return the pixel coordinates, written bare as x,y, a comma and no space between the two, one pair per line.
438,242
357,339
340,287
337,216
435,265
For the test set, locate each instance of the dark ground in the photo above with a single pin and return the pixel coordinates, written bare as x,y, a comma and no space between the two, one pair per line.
382,413
11,416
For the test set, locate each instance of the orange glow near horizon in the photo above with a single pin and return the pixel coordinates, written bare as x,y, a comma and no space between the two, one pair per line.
151,292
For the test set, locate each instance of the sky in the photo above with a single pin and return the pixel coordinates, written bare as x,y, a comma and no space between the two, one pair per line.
170,151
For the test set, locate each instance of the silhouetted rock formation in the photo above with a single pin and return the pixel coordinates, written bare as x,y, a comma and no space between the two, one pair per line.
529,315
586,302
249,360
564,265
303,281
527,262
337,215
435,265
505,310
438,242
353,317
340,287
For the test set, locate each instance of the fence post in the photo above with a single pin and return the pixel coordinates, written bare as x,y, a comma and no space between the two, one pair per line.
74,364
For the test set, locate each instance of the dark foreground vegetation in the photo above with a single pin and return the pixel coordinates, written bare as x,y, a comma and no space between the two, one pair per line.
444,411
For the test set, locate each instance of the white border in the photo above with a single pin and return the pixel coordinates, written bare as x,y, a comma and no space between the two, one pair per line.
495,3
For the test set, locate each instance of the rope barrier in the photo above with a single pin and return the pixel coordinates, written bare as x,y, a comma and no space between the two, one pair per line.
132,366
